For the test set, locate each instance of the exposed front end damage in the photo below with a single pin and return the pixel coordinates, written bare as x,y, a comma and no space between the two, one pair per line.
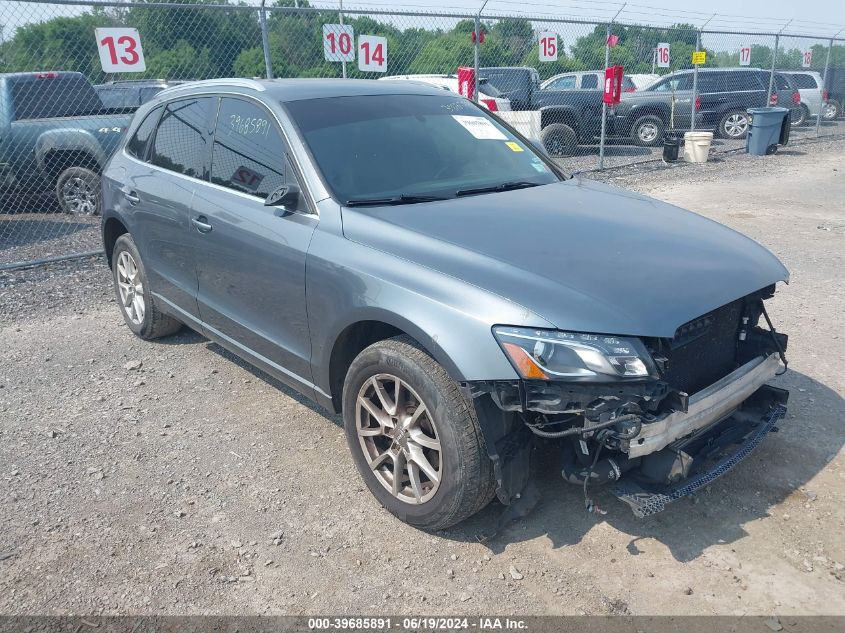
704,406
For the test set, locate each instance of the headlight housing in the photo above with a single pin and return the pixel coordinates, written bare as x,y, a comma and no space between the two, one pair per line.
574,356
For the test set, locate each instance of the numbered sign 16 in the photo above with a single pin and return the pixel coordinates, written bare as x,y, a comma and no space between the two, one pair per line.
338,43
663,55
548,47
120,50
745,55
372,53
807,58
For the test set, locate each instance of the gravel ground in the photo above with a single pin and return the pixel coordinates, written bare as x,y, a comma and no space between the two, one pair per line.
169,478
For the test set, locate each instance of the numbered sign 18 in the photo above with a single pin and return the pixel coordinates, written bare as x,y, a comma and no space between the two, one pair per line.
548,47
338,43
807,58
120,50
372,53
745,55
663,55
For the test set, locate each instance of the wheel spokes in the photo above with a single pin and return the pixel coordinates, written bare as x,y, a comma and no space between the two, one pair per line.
418,457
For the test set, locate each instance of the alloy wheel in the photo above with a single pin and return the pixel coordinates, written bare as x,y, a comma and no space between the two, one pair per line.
647,132
79,196
736,125
131,288
397,434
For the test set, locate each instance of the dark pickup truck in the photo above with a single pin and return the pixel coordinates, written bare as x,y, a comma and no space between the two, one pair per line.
567,118
55,134
834,91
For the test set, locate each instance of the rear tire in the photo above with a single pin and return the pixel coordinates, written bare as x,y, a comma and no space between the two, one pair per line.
78,191
450,482
798,116
132,290
559,139
831,111
733,125
648,131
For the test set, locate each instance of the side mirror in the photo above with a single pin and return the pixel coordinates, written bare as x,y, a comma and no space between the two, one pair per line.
285,196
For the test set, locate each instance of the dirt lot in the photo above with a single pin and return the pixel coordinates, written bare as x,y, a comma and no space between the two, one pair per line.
169,478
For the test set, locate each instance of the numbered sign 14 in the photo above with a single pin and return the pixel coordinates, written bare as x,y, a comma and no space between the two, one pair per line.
807,58
372,53
338,43
548,47
663,55
120,50
745,55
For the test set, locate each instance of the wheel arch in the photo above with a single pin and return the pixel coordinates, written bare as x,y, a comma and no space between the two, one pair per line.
559,114
113,228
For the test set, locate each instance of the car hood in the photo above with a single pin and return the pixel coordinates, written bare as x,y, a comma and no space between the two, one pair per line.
583,255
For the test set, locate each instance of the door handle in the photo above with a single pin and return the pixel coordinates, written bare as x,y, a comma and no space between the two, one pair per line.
202,224
131,197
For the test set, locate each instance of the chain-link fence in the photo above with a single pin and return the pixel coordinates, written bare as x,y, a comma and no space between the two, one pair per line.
83,68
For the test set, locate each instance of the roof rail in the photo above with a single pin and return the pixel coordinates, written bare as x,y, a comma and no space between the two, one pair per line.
240,83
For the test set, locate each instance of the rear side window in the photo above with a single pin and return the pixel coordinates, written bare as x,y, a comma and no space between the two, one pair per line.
589,82
804,81
741,81
782,83
248,153
182,137
45,96
710,82
137,145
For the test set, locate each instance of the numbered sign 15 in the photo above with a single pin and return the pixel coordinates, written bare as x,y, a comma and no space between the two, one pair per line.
338,43
548,47
807,58
745,55
372,53
663,55
120,50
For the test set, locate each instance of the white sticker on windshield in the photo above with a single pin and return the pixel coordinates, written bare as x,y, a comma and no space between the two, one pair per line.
480,127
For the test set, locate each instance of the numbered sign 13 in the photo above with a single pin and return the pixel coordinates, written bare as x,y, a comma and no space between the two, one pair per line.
338,43
120,50
807,58
372,53
548,47
745,55
663,55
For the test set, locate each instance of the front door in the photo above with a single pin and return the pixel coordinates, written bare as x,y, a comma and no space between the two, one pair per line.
250,257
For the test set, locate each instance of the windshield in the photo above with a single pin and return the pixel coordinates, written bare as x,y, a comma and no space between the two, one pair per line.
387,146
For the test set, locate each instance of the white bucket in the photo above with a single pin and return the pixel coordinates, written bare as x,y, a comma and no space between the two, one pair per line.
697,146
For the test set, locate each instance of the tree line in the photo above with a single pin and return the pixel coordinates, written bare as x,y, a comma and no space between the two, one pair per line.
197,43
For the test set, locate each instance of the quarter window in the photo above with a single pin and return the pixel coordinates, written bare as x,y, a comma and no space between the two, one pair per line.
181,141
137,145
248,153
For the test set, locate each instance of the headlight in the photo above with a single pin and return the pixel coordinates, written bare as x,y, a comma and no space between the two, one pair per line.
554,355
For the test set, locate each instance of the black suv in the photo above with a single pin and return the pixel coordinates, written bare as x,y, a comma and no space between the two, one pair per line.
721,103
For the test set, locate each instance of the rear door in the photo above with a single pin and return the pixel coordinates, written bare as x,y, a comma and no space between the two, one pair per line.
713,97
250,257
160,190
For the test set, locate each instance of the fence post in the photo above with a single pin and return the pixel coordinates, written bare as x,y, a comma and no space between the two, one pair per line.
824,87
340,15
265,42
603,104
693,111
772,71
475,55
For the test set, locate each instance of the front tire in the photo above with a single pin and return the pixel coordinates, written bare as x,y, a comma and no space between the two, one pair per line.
734,125
133,293
648,131
798,116
559,139
414,437
78,191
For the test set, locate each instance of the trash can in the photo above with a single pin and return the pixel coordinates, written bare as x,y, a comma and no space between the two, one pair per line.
766,130
671,144
697,146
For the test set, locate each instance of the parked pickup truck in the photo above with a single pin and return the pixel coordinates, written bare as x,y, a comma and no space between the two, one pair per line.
56,135
560,119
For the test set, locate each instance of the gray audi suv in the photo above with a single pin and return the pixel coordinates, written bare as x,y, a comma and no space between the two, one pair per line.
400,255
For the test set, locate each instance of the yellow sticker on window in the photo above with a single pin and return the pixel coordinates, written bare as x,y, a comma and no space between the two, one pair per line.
515,147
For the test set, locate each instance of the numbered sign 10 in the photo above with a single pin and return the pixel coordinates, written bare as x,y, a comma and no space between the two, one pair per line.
745,55
548,47
338,43
662,55
372,53
120,50
807,58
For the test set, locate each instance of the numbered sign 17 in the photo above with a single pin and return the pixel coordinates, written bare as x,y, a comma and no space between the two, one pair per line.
663,55
120,50
745,55
338,43
548,47
807,58
372,53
